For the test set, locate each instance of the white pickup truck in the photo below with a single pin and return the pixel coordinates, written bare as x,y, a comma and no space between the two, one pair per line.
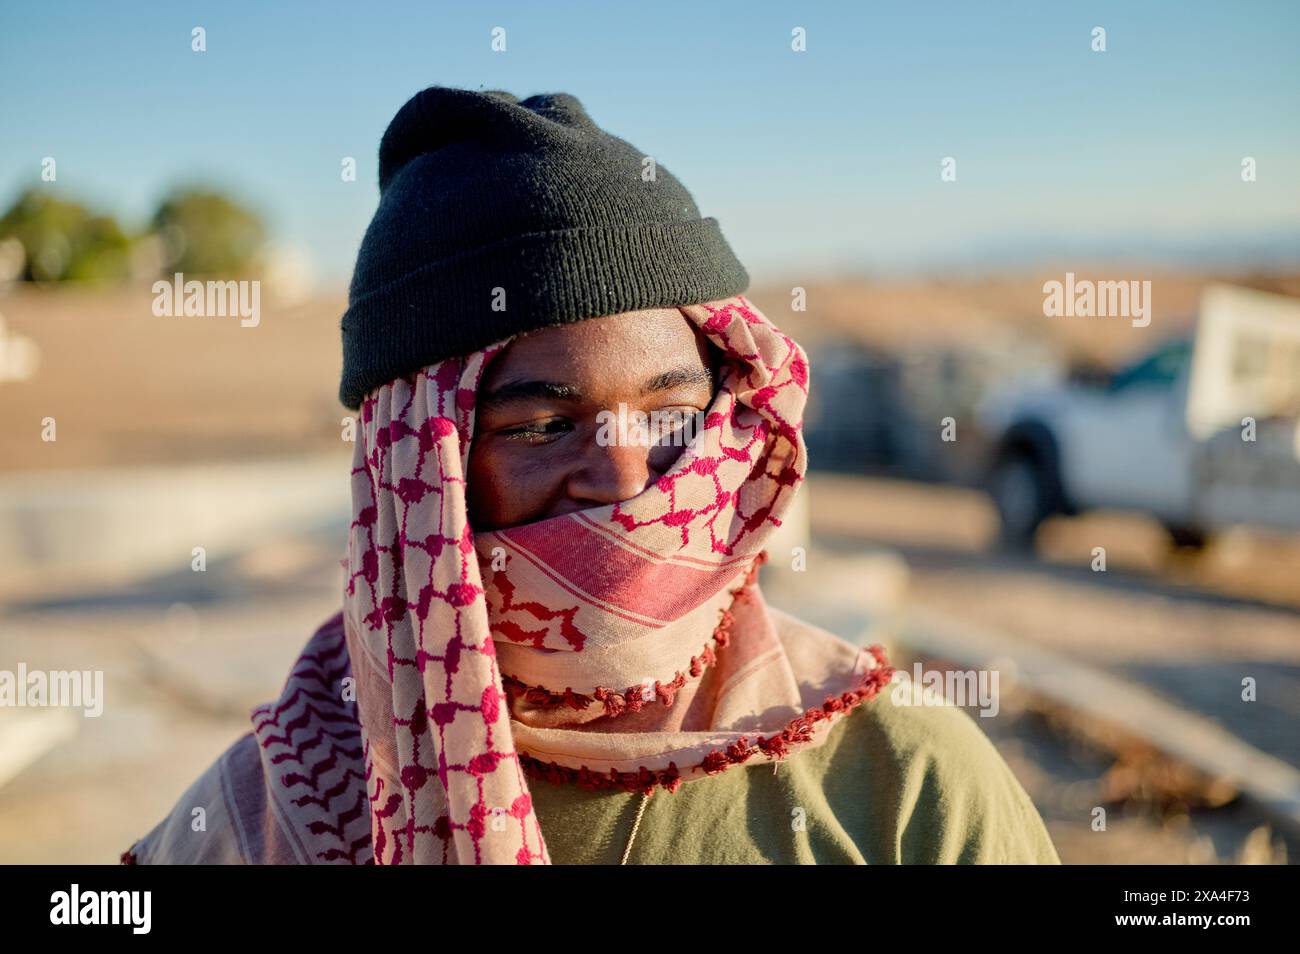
1202,432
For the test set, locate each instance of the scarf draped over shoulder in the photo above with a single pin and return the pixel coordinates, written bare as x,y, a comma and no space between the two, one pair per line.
465,667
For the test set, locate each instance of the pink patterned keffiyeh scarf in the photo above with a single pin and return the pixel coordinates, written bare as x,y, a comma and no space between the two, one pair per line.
466,666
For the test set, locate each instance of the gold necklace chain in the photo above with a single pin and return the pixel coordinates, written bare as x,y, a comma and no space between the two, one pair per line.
645,800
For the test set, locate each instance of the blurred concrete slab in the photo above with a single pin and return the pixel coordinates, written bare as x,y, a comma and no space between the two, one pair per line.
185,657
67,531
1190,736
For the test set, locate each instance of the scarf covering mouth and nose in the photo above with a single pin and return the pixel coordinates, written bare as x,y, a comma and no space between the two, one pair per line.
479,659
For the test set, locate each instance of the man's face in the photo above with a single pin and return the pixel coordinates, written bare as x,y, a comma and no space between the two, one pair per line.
536,452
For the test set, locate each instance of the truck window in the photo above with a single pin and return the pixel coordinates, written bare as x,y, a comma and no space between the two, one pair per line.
1160,369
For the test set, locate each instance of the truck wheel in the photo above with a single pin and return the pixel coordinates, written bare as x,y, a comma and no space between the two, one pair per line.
1186,538
1020,492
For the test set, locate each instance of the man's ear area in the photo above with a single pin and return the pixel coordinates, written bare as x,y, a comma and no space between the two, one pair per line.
714,357
717,361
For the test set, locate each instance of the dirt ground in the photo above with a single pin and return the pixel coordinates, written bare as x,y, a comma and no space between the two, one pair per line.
1184,627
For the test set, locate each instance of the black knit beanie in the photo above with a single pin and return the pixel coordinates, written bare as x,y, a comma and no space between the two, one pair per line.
499,216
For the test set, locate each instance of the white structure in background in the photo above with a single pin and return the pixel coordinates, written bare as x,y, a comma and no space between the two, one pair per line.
19,356
1247,359
1246,369
1202,432
27,734
290,278
71,530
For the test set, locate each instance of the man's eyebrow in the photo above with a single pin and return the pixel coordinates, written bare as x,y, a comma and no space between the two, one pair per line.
530,391
536,390
678,377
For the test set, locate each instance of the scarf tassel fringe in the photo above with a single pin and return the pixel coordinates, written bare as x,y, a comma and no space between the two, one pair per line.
776,747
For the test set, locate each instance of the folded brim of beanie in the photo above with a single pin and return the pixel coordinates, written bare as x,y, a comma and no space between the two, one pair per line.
458,305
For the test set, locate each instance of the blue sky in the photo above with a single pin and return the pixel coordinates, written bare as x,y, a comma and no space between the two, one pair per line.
827,159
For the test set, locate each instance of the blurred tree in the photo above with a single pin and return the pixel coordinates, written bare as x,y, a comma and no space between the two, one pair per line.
64,241
206,233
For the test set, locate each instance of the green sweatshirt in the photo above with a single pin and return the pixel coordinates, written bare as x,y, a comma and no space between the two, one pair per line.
892,784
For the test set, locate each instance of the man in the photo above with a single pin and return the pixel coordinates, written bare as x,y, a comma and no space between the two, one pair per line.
553,648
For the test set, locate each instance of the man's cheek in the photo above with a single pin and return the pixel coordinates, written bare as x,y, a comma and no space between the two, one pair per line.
508,489
527,483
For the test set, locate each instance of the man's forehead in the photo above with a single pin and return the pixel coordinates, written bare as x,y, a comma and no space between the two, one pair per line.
629,348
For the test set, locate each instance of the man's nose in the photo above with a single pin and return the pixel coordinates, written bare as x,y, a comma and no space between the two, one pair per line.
611,473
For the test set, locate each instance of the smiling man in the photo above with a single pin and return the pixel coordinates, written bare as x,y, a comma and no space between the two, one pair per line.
544,444
553,647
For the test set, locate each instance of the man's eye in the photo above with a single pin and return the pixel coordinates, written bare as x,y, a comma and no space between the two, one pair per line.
538,431
676,426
